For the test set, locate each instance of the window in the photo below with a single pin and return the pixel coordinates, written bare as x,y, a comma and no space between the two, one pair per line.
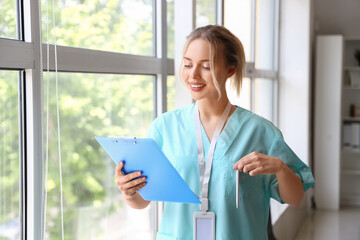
10,197
244,99
238,19
265,34
8,19
94,105
205,12
171,93
263,102
170,29
114,91
124,26
109,67
255,23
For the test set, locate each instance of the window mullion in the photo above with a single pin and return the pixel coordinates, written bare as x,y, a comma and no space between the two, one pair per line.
34,113
185,15
22,151
219,5
276,63
161,53
253,31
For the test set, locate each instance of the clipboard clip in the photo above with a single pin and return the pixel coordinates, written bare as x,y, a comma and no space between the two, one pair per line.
135,140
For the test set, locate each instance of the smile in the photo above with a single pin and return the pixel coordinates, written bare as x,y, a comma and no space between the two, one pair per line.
197,85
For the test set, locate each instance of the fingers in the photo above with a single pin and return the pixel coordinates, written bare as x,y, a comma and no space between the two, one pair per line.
119,175
249,167
131,190
130,183
118,169
131,187
256,163
251,164
246,160
256,171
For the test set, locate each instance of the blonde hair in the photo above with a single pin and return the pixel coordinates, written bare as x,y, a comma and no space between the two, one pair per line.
233,52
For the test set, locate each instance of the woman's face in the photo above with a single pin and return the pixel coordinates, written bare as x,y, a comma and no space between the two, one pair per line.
196,71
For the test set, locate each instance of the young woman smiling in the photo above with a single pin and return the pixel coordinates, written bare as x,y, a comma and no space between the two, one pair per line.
210,140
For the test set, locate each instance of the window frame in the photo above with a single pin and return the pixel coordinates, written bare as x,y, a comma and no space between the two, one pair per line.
24,55
185,23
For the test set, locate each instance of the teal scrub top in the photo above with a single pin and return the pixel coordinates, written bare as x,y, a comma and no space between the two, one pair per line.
245,132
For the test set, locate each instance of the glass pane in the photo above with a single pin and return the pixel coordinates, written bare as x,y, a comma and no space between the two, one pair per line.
9,156
263,97
124,26
170,29
237,18
264,42
205,12
244,99
94,105
8,19
170,93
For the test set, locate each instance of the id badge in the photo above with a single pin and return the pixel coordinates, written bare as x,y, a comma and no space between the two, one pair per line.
204,226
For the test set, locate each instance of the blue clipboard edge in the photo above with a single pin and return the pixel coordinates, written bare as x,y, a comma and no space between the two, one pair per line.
102,140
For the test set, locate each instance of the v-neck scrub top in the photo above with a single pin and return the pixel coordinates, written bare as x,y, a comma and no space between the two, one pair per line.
244,132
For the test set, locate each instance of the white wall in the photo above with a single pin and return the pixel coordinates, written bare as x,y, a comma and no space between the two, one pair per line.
294,96
329,61
337,17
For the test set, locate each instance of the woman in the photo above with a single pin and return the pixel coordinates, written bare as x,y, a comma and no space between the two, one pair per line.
240,141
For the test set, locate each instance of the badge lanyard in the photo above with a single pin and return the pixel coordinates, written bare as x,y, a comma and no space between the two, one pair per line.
205,171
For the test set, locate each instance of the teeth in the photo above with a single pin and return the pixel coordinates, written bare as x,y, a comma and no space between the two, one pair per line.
197,85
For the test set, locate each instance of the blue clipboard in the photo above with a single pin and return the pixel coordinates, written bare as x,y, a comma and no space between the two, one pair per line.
164,183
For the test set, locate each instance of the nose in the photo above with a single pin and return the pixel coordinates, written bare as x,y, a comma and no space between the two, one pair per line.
194,73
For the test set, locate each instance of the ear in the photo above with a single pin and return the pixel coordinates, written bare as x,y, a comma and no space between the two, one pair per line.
231,71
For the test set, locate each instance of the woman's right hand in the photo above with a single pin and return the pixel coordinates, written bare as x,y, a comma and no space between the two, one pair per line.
130,183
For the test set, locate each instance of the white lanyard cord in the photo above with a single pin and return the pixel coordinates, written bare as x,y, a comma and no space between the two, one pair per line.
205,171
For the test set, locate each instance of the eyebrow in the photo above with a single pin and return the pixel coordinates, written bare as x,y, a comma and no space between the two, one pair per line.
203,60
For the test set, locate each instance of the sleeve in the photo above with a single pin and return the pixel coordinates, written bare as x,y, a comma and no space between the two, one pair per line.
281,150
154,133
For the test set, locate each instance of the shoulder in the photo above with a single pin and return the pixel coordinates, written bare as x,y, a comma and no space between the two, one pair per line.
174,117
171,124
183,113
254,122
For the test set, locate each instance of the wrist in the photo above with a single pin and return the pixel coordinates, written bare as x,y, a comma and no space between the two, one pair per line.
128,198
282,167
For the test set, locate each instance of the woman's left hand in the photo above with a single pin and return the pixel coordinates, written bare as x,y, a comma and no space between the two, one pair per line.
257,163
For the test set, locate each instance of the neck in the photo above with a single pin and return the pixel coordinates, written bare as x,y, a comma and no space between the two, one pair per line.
209,108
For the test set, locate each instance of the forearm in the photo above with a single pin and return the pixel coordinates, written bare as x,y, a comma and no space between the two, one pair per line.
290,186
136,201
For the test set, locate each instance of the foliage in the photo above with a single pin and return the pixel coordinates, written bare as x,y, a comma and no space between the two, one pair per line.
111,25
8,19
9,153
89,105
205,12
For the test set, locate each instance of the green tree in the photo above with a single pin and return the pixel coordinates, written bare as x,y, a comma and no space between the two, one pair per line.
94,104
8,19
9,152
89,104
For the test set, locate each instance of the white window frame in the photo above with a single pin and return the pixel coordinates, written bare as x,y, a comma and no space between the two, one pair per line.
25,55
185,19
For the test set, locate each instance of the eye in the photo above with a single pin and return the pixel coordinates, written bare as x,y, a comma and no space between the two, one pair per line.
206,68
187,66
